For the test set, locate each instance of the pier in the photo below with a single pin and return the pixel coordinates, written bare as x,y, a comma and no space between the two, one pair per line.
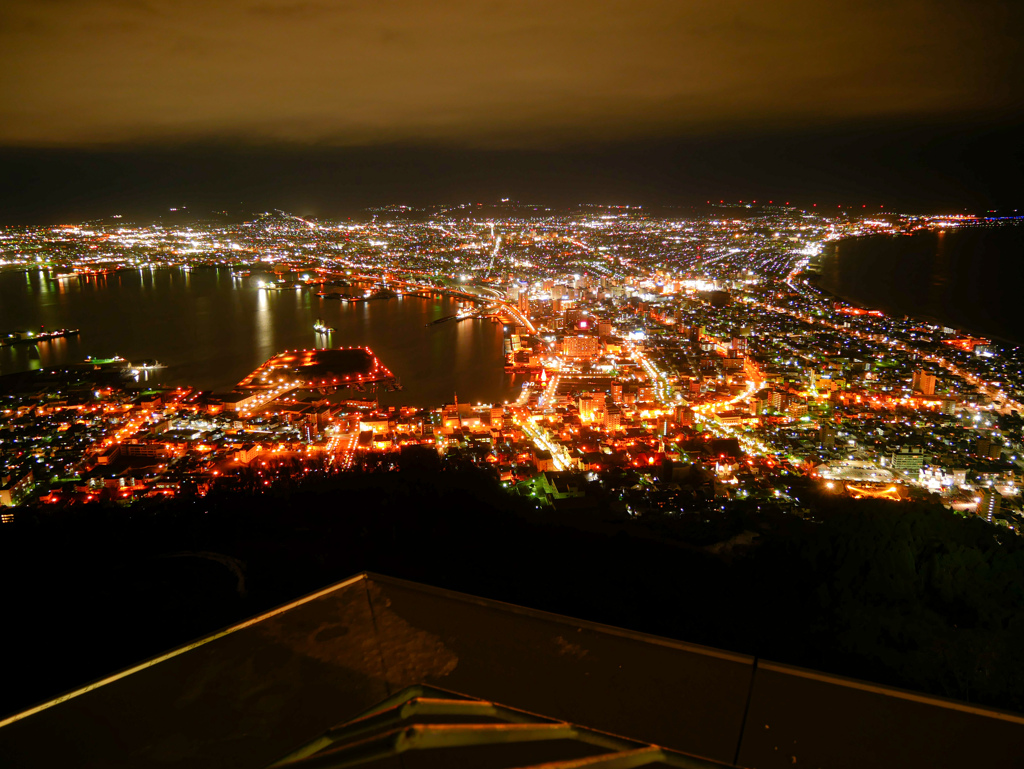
330,368
34,337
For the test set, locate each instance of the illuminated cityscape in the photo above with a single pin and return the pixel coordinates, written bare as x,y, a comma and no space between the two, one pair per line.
511,384
666,365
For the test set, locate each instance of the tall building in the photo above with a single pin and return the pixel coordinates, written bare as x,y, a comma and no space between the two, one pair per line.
988,507
684,415
581,346
613,418
524,303
827,436
924,383
591,407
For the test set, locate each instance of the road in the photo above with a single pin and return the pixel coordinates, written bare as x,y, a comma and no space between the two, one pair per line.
340,450
127,430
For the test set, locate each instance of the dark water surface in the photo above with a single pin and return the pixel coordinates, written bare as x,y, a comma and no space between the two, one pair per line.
211,329
970,278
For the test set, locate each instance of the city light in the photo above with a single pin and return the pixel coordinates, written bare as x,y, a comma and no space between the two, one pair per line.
717,334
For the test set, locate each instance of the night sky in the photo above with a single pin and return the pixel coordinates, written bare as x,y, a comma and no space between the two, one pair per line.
323,106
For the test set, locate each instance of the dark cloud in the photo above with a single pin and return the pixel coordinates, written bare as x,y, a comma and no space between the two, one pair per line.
529,73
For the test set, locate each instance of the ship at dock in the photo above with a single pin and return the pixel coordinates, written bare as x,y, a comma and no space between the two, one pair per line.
115,361
34,337
147,364
380,293
464,314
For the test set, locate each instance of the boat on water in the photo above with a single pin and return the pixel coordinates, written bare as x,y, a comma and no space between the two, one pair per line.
380,293
463,314
322,328
31,337
148,364
104,361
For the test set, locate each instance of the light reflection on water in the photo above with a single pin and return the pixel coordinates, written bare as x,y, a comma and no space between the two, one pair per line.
210,330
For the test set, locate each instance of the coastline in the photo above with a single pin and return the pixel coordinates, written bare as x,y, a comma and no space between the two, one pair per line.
224,329
821,282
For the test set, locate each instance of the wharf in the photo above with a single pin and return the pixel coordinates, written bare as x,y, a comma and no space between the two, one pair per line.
339,367
32,337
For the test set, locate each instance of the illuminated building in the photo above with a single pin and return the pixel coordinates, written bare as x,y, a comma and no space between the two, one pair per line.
591,406
543,461
732,417
907,458
924,383
240,401
513,343
581,346
654,293
613,418
991,502
14,487
497,417
684,415
248,453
